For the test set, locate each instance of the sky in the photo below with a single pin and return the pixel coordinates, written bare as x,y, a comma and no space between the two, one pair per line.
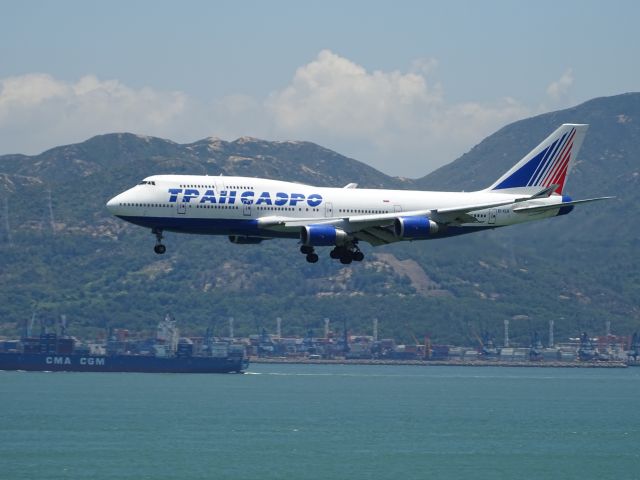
404,86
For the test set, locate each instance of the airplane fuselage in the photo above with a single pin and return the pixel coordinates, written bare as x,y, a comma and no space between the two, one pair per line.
250,210
219,205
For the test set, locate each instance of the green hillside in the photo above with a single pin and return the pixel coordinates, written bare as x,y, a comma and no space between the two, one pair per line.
62,253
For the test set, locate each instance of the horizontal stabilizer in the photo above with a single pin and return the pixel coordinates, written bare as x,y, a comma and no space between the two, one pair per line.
542,208
545,192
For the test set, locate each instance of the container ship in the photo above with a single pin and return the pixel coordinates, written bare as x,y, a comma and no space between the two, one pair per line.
167,353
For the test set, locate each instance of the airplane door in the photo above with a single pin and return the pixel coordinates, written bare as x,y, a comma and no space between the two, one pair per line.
182,208
397,208
328,210
492,215
246,209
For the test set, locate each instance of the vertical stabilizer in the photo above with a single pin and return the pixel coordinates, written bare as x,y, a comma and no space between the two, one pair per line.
546,165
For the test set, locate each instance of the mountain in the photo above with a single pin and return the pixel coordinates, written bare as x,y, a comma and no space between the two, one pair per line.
62,253
586,263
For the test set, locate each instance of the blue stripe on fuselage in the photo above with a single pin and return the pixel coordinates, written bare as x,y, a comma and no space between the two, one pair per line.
206,226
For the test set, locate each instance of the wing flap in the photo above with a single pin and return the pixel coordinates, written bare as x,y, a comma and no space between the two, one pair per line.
458,215
441,215
376,236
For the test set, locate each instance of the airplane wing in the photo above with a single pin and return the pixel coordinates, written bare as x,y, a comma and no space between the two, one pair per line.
376,229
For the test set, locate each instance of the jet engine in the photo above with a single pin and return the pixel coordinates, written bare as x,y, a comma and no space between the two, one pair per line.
414,228
322,236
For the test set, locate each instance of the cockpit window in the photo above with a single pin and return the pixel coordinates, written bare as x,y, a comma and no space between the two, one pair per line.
147,182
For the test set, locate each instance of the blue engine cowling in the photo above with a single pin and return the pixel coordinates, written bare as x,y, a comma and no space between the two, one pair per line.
322,235
414,228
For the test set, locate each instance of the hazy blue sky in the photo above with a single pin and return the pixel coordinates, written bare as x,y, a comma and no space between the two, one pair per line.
403,86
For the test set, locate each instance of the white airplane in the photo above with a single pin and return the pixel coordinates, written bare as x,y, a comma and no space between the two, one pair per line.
250,210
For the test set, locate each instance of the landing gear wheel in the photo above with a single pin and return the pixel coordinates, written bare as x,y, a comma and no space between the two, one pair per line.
346,258
335,253
306,249
312,257
358,256
159,248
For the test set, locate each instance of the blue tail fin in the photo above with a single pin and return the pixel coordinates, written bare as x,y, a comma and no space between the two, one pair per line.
546,165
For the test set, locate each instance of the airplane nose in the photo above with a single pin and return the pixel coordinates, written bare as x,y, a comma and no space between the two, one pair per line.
111,204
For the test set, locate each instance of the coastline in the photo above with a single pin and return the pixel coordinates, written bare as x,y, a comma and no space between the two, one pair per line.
440,363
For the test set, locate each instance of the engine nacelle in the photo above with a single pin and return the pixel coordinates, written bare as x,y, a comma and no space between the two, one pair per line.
414,228
322,236
245,240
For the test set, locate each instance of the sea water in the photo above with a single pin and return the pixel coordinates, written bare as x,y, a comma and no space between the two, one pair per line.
323,422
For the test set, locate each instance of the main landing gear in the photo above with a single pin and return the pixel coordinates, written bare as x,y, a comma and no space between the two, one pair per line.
346,254
159,248
312,256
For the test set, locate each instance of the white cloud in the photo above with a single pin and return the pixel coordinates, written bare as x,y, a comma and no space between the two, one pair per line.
556,90
338,97
398,122
38,111
28,91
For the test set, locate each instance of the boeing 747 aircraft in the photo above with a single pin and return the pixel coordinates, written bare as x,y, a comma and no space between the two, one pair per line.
250,210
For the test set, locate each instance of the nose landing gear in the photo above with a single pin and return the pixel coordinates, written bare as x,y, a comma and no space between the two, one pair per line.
159,247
